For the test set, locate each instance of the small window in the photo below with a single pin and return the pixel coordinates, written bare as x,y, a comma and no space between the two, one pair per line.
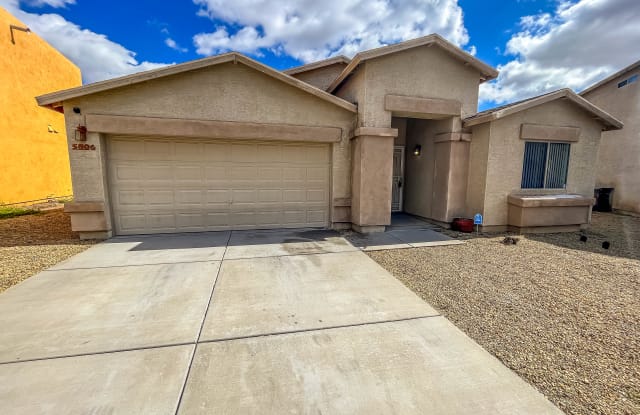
545,165
628,81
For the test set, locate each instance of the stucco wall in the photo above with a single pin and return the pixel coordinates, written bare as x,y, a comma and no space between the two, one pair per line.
619,157
426,72
226,92
34,162
321,77
353,88
506,155
401,125
419,170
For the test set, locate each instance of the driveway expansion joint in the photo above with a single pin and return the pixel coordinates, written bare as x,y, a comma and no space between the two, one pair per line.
204,317
131,349
319,329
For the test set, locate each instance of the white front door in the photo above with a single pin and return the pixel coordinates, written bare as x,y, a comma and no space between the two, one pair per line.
398,179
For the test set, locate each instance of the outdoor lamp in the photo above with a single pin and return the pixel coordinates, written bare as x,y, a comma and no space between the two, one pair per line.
417,150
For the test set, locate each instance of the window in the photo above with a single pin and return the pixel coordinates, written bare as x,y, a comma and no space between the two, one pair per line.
545,165
628,81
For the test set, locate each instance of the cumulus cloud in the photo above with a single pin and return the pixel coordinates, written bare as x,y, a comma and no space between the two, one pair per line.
575,46
97,57
174,45
313,30
52,3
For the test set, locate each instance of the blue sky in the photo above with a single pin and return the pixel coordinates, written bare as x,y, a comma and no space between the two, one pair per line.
538,45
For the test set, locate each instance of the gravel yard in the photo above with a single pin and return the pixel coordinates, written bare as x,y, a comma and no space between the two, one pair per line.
29,244
562,313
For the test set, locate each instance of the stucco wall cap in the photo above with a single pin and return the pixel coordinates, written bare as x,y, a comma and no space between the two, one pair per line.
550,200
610,78
378,132
608,121
318,64
56,98
485,70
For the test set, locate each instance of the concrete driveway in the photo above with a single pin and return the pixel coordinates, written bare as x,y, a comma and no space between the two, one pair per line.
261,322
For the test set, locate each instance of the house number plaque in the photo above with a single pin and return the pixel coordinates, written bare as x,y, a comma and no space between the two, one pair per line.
83,146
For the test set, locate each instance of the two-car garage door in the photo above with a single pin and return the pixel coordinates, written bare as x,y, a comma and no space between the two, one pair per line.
160,185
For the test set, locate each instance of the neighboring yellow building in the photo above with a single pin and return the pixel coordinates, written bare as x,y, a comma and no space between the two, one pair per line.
34,160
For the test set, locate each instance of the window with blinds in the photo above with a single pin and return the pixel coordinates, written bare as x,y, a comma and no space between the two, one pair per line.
545,165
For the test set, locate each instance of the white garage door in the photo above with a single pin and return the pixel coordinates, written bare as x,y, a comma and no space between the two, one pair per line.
160,185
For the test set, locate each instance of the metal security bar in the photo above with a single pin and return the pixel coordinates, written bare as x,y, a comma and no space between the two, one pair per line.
557,166
533,170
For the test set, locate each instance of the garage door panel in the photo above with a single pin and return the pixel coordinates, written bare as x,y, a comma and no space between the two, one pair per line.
189,151
198,185
188,173
158,172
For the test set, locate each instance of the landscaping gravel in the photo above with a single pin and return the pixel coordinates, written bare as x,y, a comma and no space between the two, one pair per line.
564,314
32,243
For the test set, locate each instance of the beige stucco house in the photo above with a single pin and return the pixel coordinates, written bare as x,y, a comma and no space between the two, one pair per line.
619,157
228,143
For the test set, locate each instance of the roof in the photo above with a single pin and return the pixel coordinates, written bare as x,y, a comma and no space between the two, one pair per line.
609,121
433,39
55,99
318,64
608,79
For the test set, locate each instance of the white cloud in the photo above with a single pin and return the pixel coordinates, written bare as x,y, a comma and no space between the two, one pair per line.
174,45
52,3
98,57
575,46
312,30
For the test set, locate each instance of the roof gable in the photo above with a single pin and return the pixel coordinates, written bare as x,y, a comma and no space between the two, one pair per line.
486,71
609,121
55,99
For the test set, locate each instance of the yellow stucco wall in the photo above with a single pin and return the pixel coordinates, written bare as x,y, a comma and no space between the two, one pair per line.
34,162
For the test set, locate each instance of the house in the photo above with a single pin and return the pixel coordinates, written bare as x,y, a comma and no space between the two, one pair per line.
228,143
618,164
34,159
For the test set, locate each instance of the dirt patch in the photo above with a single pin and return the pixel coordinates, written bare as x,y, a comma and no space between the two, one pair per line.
560,311
30,244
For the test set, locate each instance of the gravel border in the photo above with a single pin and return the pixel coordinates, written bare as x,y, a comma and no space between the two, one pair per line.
32,243
562,313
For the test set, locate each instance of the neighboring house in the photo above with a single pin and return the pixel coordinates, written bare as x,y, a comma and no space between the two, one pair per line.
619,157
228,143
34,157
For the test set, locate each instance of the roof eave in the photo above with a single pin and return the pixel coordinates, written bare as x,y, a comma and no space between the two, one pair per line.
65,95
610,78
609,121
317,65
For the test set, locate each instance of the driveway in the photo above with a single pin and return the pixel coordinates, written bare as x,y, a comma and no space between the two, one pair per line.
296,321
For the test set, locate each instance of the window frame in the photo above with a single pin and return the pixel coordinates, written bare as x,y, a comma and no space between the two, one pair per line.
546,165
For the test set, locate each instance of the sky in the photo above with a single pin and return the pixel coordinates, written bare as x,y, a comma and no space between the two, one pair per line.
537,45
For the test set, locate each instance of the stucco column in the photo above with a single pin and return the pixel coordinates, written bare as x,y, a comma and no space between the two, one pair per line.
89,211
451,172
372,169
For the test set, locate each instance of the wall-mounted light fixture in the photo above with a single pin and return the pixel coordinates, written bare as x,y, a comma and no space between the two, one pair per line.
80,133
417,150
22,29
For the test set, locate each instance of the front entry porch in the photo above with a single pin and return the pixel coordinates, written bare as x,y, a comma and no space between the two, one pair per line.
406,231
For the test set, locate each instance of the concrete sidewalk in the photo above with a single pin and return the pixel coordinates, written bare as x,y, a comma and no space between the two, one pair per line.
296,321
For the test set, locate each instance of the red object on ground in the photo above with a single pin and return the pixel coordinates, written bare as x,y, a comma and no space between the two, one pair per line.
462,225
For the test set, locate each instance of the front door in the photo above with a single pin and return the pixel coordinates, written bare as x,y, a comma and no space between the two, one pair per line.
398,179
